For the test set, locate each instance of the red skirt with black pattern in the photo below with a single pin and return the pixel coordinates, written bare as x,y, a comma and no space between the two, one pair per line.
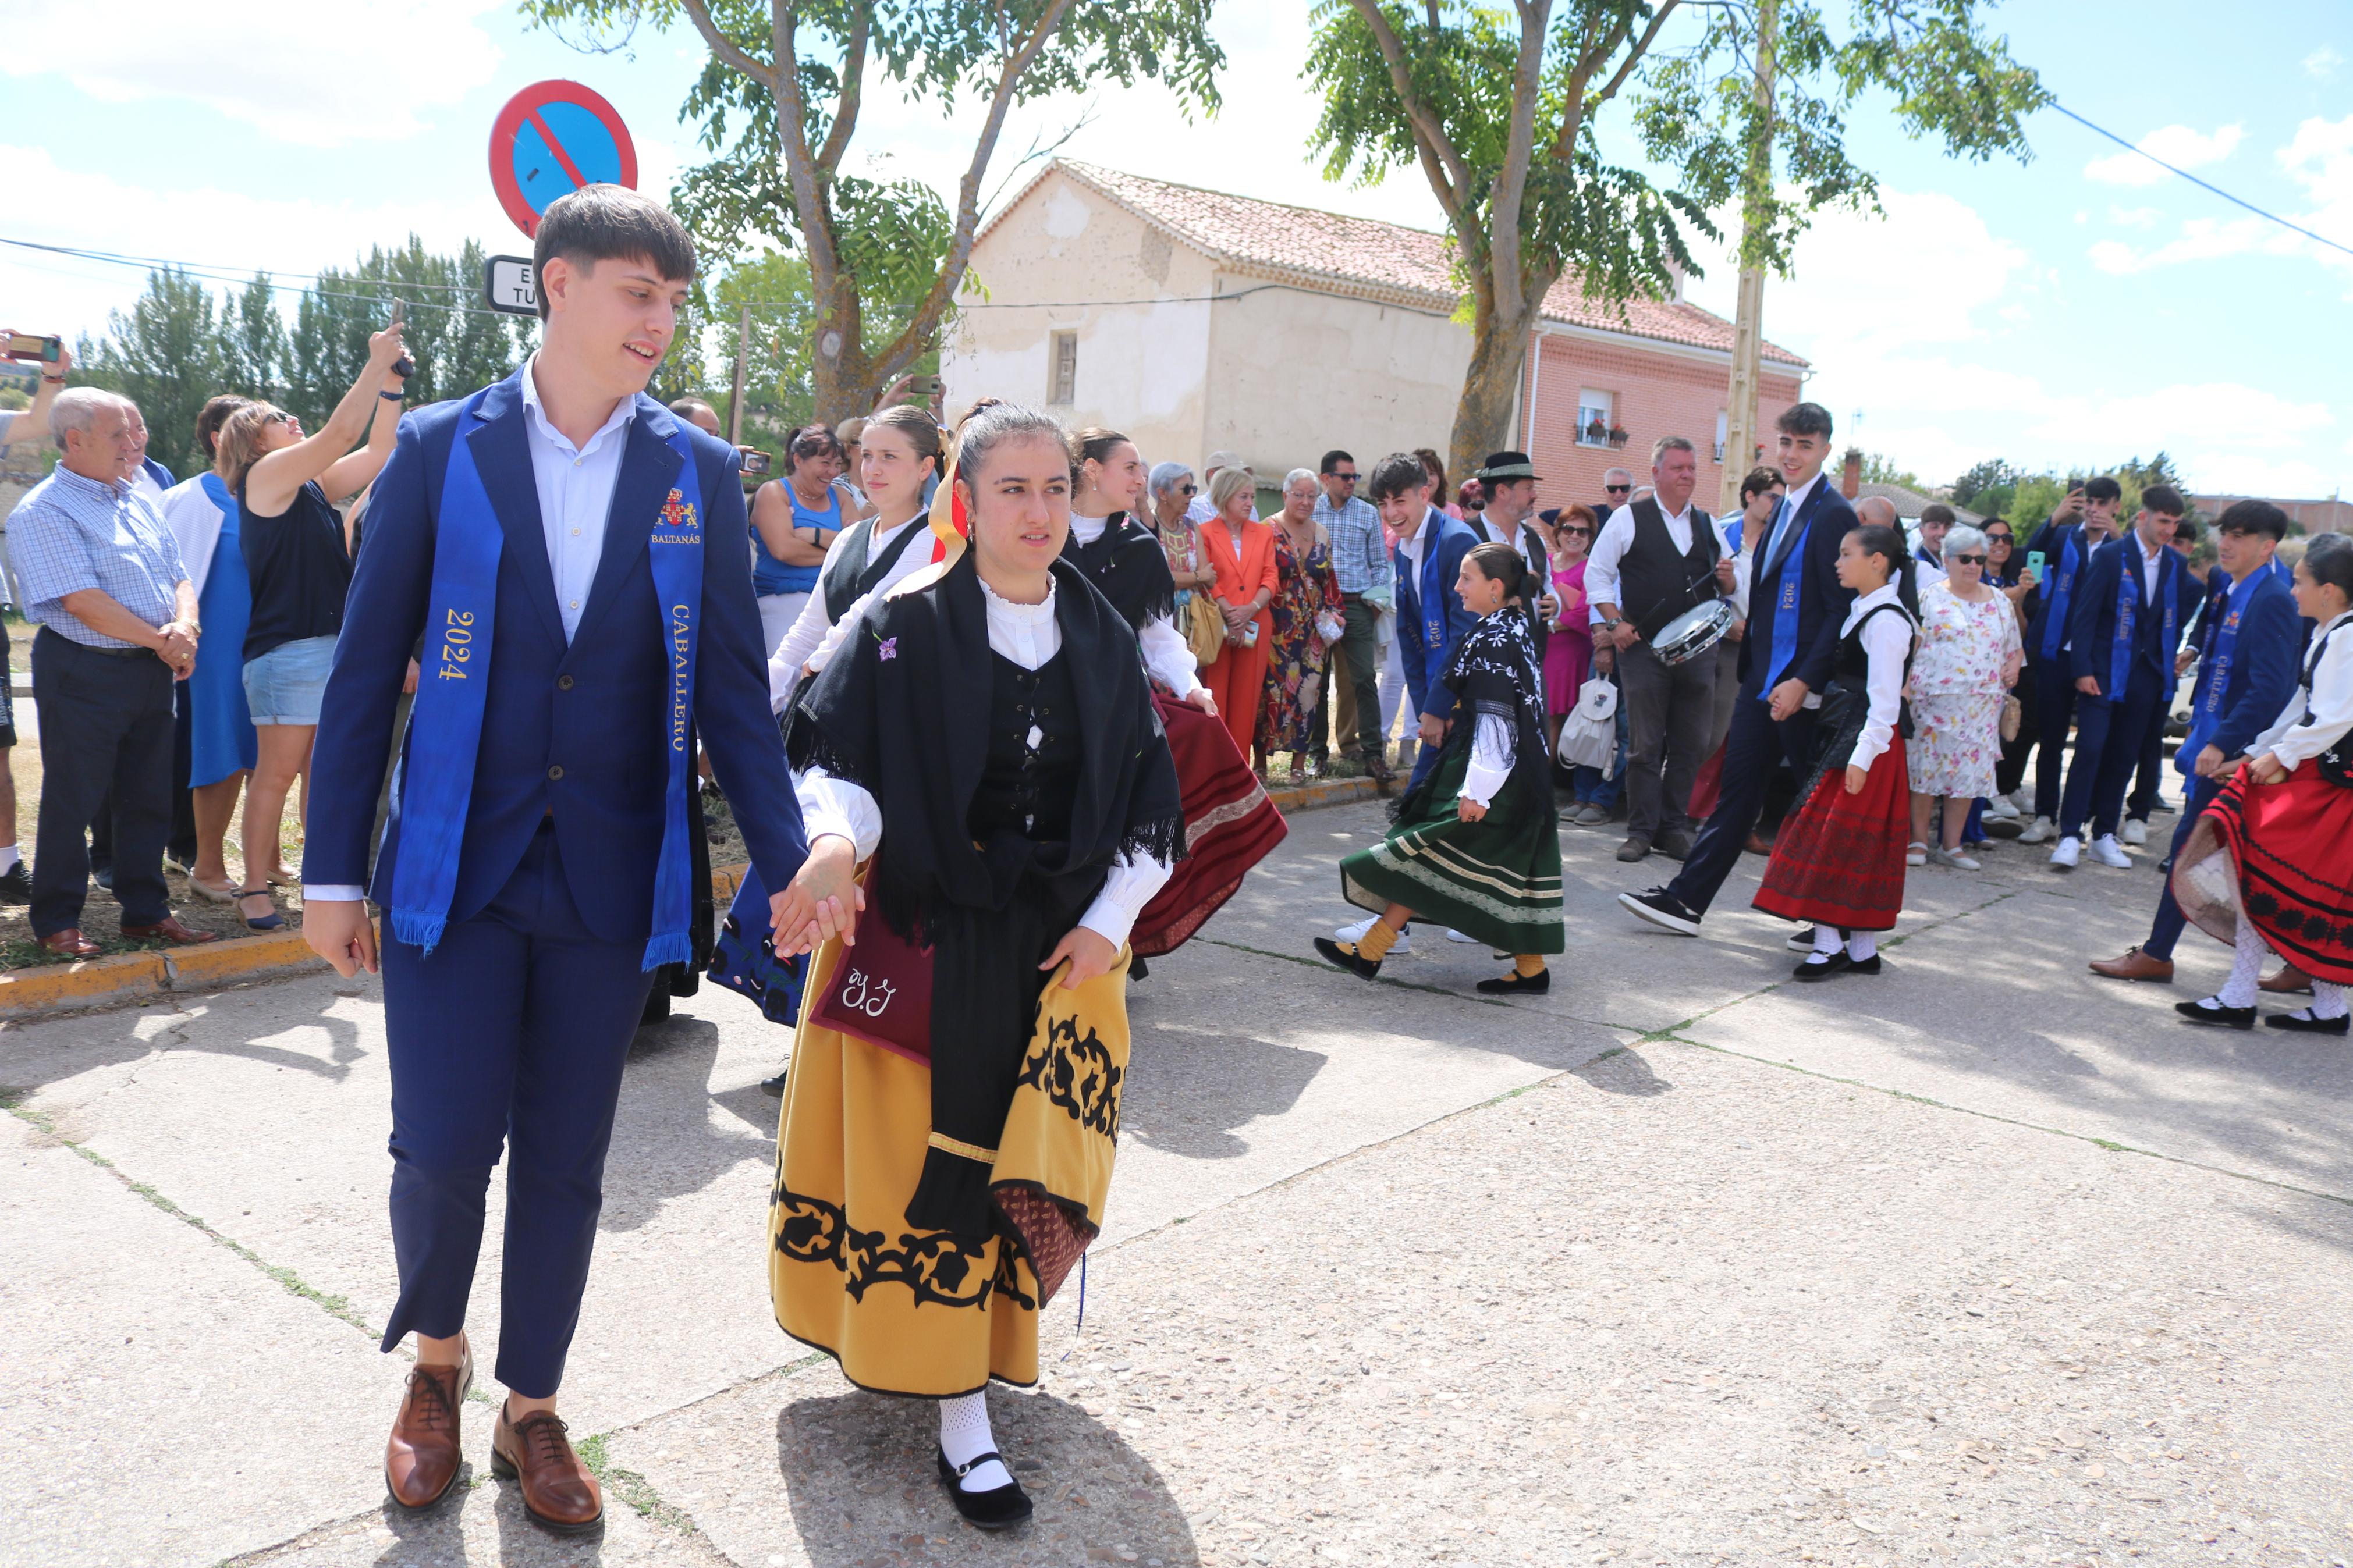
1231,826
2284,853
1839,861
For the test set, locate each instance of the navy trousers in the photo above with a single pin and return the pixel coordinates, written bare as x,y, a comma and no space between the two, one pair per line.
2108,734
1752,748
2054,710
2166,930
512,1031
2149,777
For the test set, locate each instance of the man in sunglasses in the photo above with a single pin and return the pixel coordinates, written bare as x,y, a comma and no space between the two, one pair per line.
1617,485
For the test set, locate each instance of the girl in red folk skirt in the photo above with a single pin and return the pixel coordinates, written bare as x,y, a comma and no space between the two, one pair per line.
2270,865
1839,861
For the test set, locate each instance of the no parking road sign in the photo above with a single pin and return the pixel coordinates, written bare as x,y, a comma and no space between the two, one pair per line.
550,139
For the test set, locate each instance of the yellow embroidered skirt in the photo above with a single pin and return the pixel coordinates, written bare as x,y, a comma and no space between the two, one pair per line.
925,1312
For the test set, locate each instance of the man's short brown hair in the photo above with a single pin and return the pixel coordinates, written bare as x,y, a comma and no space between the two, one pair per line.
2163,499
1758,481
610,223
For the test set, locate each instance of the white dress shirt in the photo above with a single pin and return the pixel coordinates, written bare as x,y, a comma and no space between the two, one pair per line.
812,631
575,496
1616,537
1028,635
1885,642
2152,562
2321,711
1791,505
1167,657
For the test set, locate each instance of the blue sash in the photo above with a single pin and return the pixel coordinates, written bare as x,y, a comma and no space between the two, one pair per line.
1432,594
2061,589
445,726
1784,600
2128,590
2214,677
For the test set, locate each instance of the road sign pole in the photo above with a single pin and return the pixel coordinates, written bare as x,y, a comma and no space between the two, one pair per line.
735,395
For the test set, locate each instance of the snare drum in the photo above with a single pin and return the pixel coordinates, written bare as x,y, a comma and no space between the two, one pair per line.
1692,633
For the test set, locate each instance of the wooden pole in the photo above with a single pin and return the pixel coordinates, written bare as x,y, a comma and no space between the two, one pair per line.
735,392
1749,318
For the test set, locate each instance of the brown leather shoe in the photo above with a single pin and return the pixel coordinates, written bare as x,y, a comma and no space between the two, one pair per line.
558,1492
1757,844
170,929
2289,981
69,943
2135,965
420,1458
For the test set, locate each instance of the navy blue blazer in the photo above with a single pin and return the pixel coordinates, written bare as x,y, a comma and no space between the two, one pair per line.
2092,618
593,711
2265,659
1822,603
1425,667
2052,540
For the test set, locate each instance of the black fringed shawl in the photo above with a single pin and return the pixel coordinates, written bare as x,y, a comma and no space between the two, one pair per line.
1493,674
1127,563
903,712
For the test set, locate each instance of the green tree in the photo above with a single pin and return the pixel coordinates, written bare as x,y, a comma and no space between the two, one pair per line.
253,342
1499,109
778,107
1980,477
164,354
1880,470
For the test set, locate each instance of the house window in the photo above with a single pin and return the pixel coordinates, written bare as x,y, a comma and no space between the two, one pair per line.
1065,376
1722,432
1593,420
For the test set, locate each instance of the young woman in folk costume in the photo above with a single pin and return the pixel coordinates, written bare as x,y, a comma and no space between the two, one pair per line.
985,743
1475,845
1230,825
1839,861
2271,862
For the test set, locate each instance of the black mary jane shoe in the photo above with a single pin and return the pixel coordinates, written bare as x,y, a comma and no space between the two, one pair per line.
1862,965
1000,1508
2212,1012
776,1086
1518,984
1136,968
1821,966
2302,1021
1355,962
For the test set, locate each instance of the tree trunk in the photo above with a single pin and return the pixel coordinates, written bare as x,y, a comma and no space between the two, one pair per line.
1482,419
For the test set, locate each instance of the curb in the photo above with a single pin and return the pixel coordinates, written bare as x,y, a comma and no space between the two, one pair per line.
125,979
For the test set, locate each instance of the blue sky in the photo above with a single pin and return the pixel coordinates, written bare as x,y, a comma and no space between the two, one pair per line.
2075,310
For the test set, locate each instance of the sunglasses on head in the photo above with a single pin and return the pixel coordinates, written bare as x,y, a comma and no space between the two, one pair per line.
1969,560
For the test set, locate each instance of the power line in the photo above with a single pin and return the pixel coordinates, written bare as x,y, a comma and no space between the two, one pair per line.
2202,184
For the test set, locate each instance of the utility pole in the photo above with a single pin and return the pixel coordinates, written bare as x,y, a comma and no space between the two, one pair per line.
1749,318
743,353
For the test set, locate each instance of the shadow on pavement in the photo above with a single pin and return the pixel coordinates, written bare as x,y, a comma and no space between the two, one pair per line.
1623,1072
860,1470
1190,1089
666,1143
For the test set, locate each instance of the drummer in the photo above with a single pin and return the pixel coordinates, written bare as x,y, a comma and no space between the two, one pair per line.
1655,562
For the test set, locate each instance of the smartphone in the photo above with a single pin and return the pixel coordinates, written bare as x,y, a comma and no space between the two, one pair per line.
29,346
2035,563
758,462
923,387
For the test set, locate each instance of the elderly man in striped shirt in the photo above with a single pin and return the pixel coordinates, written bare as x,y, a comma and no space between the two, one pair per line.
1360,560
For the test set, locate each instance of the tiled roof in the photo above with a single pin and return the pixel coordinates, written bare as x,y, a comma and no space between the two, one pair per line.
1364,256
1909,503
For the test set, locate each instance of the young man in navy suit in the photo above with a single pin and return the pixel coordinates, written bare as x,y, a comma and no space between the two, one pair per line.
1796,611
2122,632
2247,648
2083,520
575,561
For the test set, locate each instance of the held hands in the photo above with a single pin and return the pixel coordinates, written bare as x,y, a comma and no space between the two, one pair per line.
340,931
1623,634
823,902
2211,762
1090,953
1787,698
1467,809
1237,616
2183,661
2266,769
179,647
1432,730
1855,778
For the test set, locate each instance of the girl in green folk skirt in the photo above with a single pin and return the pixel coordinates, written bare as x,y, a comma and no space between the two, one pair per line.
1474,845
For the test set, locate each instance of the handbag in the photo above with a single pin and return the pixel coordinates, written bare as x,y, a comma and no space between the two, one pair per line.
1588,736
1332,627
881,988
1205,629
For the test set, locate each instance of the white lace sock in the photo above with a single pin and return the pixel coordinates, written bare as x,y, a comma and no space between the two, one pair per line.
965,1436
2246,967
1827,940
2327,1000
1863,946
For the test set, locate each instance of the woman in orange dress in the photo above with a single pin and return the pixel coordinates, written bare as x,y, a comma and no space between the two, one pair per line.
1240,551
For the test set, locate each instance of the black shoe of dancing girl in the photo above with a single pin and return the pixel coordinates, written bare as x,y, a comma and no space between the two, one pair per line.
2209,1010
1345,956
1000,1508
1517,984
2303,1021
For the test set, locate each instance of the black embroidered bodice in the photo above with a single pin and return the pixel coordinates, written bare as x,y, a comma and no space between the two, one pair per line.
1032,774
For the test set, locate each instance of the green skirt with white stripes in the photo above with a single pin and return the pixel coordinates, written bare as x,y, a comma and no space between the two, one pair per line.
1496,880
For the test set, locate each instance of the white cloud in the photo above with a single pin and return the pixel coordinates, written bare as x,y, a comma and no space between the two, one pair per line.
2322,63
2134,217
2177,144
2320,158
320,75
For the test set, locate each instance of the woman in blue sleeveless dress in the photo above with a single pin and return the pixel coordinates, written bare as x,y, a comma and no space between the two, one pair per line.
795,522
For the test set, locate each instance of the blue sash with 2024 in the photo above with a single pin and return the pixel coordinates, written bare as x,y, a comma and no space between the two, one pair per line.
446,724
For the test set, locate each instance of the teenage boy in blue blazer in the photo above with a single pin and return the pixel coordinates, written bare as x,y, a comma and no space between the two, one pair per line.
2247,646
574,560
1431,619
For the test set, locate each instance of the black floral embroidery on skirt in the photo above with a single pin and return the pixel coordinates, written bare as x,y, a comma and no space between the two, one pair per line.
1077,1074
934,1264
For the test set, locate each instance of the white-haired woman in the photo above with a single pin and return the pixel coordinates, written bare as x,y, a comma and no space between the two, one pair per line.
1306,611
1968,659
1170,490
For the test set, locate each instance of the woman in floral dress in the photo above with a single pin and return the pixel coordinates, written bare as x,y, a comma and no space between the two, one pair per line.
1969,659
1306,609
